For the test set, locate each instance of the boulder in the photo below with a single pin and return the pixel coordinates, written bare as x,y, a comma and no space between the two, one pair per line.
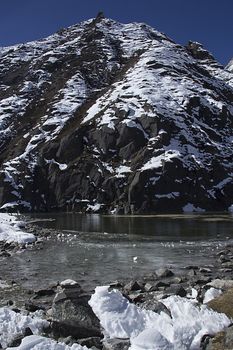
72,315
224,303
176,289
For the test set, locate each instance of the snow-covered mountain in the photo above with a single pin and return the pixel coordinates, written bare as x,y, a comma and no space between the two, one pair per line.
230,66
114,117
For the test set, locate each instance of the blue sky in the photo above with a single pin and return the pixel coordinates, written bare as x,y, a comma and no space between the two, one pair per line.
207,21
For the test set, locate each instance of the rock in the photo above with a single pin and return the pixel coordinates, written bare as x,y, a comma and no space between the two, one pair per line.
177,280
223,259
197,51
116,344
70,284
224,303
44,292
227,264
27,332
223,252
191,273
176,289
163,272
202,280
31,307
90,342
192,267
136,298
229,337
161,285
132,286
68,340
72,315
149,287
205,270
116,284
155,306
221,284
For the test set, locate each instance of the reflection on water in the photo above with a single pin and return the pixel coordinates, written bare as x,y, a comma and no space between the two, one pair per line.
97,249
157,227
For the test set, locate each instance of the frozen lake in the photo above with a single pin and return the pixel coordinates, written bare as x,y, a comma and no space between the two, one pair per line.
97,249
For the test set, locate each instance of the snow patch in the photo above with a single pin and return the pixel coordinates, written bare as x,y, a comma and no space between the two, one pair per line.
159,161
190,208
10,230
13,323
35,342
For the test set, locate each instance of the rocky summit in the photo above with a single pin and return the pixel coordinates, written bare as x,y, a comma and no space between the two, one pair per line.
115,118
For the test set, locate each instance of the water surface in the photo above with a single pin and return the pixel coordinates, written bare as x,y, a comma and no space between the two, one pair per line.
97,249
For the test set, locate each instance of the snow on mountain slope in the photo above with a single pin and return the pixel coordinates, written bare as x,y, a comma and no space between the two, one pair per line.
114,117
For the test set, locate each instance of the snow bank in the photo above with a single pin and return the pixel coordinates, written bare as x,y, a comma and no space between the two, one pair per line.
148,330
12,323
41,343
10,230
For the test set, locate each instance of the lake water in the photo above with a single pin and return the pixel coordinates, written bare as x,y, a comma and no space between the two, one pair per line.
97,249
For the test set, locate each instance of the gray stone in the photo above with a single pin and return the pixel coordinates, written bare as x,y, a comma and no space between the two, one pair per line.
91,341
72,315
205,270
116,344
132,286
176,289
150,287
164,272
221,284
155,306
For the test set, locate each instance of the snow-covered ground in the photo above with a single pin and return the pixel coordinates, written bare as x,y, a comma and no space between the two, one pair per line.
119,318
152,331
12,323
10,230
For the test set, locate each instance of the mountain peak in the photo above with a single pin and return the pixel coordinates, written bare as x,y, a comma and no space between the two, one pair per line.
100,16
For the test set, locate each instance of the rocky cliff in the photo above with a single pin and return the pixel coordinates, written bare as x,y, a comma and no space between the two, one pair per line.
113,117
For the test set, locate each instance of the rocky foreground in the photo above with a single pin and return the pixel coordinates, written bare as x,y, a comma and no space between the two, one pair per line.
66,315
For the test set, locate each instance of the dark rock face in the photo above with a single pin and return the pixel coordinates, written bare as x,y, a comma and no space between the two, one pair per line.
114,118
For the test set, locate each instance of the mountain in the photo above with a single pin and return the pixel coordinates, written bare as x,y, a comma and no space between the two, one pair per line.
229,67
112,117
